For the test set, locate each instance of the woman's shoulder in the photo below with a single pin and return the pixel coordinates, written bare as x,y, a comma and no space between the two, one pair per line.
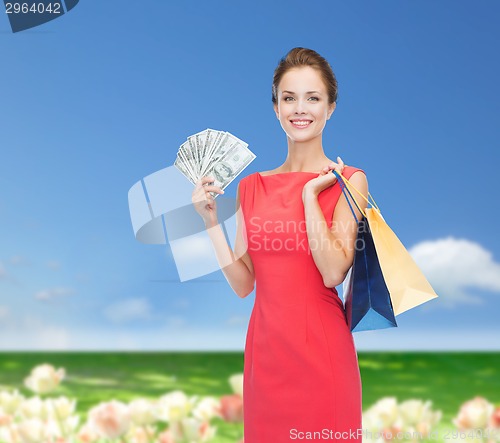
350,170
246,179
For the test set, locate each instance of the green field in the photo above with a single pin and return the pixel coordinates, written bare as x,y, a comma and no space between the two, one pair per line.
446,378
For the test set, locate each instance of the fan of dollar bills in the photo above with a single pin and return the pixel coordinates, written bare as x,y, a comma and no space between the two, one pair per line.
213,153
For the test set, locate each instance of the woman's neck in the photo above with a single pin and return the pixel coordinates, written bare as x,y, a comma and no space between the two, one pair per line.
307,156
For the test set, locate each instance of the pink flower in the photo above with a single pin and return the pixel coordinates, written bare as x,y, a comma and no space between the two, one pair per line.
495,418
390,433
111,419
474,414
5,419
231,408
166,437
87,434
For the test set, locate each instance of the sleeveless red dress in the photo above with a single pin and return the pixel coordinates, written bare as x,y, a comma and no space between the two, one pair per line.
301,376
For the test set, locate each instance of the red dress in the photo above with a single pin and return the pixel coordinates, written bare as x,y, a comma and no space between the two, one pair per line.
301,375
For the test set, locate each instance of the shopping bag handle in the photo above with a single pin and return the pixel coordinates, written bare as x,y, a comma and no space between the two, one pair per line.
349,184
344,187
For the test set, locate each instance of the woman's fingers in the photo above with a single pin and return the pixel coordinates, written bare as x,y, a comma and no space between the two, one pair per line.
201,184
339,167
341,163
213,189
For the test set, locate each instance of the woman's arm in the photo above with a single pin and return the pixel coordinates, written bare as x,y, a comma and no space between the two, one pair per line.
237,266
333,249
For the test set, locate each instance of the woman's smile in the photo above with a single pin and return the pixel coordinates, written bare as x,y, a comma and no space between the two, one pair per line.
300,124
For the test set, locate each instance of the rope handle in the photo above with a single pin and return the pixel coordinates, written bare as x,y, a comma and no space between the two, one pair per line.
349,184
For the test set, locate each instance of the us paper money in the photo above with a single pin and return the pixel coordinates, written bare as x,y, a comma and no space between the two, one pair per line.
216,153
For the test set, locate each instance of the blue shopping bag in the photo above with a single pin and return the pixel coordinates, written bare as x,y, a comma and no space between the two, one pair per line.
368,304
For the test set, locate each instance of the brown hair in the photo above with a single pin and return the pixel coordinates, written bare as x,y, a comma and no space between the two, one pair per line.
298,57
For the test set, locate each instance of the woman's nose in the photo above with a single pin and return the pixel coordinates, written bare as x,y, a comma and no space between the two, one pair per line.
299,107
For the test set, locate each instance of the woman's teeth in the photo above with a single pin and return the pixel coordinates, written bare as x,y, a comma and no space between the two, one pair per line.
301,124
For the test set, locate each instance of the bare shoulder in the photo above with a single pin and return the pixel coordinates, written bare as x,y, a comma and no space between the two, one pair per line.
358,178
359,181
359,185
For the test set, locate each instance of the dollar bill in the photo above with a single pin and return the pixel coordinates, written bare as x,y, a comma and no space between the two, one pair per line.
213,153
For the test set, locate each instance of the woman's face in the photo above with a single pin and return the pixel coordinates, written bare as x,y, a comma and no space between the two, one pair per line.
302,104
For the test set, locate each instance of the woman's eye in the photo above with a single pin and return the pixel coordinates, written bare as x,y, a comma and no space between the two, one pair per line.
286,98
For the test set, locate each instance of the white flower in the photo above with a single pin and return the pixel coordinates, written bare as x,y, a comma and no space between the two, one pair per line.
385,419
61,428
418,416
61,407
371,427
32,430
413,411
192,430
44,378
9,402
143,412
386,411
206,408
174,406
236,382
34,407
9,434
111,419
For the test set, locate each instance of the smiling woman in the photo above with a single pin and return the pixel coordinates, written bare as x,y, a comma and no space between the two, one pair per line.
300,368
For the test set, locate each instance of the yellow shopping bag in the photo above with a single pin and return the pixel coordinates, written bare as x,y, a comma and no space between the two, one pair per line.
406,283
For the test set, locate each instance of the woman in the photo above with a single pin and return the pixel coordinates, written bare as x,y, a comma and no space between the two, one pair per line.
295,241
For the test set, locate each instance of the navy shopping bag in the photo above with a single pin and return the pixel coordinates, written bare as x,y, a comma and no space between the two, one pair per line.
368,304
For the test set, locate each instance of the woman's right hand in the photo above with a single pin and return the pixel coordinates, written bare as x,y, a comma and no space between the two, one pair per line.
204,203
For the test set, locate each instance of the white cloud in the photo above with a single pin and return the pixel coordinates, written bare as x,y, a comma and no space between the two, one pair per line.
455,267
401,339
53,264
4,312
182,303
175,321
128,310
7,275
237,320
19,260
51,293
30,332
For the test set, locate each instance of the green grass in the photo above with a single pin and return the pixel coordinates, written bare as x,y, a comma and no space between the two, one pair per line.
446,378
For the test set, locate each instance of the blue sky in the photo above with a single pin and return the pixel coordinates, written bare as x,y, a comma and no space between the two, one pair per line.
102,97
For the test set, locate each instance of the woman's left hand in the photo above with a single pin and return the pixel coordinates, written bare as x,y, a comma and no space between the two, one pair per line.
325,179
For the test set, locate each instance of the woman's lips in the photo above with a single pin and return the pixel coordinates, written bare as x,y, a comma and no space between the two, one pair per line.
301,124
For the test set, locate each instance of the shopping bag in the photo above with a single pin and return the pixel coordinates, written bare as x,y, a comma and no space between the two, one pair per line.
407,285
367,300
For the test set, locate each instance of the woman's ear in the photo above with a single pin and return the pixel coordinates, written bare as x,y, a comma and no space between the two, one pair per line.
275,106
331,108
